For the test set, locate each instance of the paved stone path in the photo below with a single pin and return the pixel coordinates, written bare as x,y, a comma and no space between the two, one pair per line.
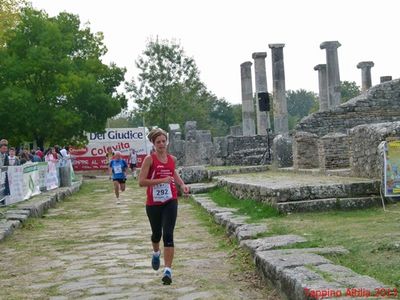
90,248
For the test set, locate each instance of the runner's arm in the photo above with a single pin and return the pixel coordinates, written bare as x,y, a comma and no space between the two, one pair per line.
109,170
179,180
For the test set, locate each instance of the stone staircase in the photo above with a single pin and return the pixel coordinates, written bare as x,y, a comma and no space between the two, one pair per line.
299,274
247,157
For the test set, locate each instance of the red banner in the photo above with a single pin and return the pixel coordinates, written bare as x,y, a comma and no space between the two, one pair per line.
93,156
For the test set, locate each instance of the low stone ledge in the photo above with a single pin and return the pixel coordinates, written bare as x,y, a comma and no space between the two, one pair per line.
223,218
210,206
242,189
297,272
200,188
268,243
35,207
328,204
326,250
248,231
7,228
198,174
234,223
19,217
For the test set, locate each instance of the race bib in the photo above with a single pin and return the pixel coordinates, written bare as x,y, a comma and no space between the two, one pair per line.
117,169
162,192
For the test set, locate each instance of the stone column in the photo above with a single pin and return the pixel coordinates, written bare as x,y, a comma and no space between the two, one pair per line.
332,68
247,99
366,81
323,87
281,124
385,78
261,86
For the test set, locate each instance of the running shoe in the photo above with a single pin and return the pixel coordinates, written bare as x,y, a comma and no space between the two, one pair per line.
155,261
167,277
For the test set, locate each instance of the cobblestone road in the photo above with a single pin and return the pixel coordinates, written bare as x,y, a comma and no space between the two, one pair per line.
90,248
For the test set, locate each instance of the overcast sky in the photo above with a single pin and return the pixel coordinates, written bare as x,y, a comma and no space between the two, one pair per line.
222,34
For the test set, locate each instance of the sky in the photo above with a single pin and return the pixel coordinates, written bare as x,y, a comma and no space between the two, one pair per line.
222,34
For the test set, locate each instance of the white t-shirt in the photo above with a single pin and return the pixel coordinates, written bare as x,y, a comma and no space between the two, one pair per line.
64,153
133,158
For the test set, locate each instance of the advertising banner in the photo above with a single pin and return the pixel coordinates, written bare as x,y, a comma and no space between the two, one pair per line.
3,185
52,176
93,156
392,169
42,169
23,182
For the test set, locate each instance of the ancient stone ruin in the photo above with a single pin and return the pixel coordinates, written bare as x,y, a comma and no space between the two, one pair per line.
328,139
198,148
332,135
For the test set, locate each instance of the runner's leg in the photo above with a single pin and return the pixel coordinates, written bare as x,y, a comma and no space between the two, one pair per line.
169,216
122,186
116,188
154,215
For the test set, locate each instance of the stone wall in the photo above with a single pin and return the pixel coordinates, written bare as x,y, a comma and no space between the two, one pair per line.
199,148
380,103
242,150
333,151
282,154
365,157
305,150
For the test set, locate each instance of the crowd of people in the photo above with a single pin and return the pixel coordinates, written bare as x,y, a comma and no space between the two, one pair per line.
12,156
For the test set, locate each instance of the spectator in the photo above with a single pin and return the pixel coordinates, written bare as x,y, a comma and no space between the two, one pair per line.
25,156
12,159
35,157
51,155
133,162
57,149
65,152
65,157
39,153
109,155
3,154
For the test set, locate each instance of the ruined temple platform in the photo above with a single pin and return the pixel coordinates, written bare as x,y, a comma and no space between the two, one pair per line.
301,191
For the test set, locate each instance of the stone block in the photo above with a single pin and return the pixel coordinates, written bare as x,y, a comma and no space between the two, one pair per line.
248,231
193,174
236,130
174,128
282,151
267,243
305,150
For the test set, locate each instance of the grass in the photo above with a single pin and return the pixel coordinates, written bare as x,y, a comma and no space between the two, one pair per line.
372,235
256,211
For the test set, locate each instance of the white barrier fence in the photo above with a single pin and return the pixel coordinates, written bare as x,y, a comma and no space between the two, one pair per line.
19,183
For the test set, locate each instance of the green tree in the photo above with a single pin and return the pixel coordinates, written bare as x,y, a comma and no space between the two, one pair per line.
168,90
53,85
300,103
237,114
9,16
349,90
